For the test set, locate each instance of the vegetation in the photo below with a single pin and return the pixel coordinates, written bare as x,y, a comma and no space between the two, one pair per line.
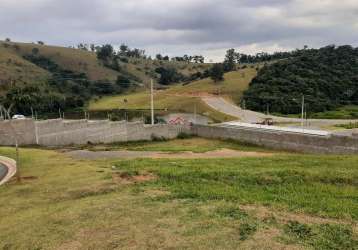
49,78
283,201
345,112
217,72
323,236
182,144
184,97
351,125
327,77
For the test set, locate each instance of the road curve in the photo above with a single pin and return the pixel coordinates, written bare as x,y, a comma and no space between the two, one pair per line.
8,167
224,106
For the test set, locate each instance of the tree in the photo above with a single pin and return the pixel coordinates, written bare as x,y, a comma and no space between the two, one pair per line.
159,57
166,58
168,75
327,77
231,58
35,51
105,52
217,72
93,47
83,46
40,43
123,49
7,40
123,82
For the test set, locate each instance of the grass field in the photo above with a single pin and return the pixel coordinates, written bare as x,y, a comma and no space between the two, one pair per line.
346,112
185,98
287,201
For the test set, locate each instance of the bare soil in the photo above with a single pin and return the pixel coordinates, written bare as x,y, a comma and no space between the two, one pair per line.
128,179
222,153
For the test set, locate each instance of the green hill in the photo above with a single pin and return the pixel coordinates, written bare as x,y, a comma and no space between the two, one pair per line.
48,78
327,77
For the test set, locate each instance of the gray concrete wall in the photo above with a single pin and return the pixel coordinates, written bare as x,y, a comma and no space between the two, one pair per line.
22,129
279,140
64,132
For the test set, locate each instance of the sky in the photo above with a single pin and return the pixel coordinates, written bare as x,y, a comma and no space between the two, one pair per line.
178,27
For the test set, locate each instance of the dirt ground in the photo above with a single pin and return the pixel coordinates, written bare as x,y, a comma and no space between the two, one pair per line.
222,153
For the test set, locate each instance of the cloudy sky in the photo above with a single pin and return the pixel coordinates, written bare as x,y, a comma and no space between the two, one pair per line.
177,27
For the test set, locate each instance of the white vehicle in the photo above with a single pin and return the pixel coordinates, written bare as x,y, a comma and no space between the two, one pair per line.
18,117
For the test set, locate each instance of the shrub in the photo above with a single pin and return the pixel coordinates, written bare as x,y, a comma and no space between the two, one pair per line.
157,138
183,135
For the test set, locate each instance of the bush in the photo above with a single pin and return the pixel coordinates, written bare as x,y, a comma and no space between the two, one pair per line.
183,135
158,138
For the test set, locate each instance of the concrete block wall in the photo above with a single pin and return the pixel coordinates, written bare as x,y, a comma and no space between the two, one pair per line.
22,129
65,132
279,140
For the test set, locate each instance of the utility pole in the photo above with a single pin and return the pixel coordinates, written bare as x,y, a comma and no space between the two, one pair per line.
303,111
152,100
195,113
18,175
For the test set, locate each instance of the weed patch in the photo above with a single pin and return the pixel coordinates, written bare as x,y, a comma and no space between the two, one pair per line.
323,236
246,230
232,212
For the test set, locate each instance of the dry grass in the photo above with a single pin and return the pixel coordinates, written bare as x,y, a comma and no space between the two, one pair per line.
92,205
186,98
14,68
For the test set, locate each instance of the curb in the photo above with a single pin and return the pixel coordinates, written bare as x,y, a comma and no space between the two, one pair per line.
11,166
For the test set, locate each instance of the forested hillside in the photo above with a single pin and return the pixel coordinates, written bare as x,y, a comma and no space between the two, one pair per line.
48,78
327,77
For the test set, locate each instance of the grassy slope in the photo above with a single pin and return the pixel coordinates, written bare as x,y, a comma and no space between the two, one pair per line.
145,69
67,58
233,86
85,62
14,67
196,204
182,98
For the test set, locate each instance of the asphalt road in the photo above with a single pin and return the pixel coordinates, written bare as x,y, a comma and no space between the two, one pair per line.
7,169
3,171
224,106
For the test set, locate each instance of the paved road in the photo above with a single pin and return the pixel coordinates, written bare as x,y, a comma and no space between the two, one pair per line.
3,171
224,106
7,169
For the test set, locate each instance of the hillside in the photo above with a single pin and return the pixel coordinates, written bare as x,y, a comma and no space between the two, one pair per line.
327,77
184,98
49,78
